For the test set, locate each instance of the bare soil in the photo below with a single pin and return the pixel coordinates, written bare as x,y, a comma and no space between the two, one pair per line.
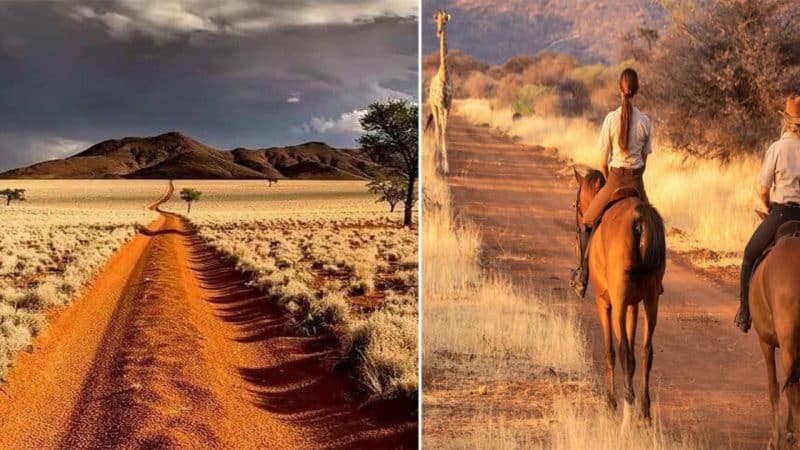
708,377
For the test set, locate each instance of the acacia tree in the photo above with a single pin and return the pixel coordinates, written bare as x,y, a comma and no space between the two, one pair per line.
389,187
190,196
15,195
390,138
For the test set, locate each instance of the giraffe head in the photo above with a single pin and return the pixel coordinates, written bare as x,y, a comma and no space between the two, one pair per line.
441,17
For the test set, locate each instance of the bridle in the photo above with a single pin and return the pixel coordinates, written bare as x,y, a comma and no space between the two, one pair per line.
577,206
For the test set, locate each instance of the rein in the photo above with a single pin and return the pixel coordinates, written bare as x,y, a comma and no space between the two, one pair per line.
577,206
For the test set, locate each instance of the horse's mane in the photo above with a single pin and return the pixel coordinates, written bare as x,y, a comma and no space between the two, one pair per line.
595,177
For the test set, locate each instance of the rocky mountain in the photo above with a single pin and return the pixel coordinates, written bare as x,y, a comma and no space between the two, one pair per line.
175,155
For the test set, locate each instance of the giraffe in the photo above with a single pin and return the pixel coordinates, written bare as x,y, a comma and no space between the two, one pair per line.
440,96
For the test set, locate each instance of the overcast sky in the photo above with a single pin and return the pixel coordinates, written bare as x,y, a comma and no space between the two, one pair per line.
251,73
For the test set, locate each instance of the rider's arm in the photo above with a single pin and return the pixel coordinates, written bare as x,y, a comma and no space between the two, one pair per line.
763,193
648,143
604,144
766,176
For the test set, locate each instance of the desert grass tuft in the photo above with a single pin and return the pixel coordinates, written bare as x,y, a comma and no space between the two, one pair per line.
383,347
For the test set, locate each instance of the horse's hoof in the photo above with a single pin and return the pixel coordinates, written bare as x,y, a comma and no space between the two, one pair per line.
771,445
791,440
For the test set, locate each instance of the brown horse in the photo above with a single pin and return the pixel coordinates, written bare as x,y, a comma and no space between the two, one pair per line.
775,311
627,259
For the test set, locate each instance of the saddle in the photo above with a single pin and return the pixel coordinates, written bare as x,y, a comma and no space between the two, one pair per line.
622,193
617,196
787,230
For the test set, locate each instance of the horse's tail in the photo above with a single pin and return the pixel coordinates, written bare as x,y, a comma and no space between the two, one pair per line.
429,121
794,374
648,229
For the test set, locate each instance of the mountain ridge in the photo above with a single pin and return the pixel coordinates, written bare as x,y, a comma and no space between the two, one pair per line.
179,156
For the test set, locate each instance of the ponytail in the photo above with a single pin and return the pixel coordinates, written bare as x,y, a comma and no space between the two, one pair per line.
628,86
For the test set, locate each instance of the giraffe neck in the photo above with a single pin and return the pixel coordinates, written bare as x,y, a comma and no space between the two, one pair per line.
442,57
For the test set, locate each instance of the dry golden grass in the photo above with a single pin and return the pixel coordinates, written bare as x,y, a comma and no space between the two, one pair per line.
476,327
332,256
578,426
252,200
705,204
53,243
573,426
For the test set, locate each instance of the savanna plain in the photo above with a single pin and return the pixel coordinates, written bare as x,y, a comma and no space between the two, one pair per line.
281,315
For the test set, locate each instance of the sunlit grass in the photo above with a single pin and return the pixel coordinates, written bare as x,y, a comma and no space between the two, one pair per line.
319,250
52,244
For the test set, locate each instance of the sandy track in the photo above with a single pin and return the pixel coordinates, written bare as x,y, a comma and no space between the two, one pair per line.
169,348
708,377
167,196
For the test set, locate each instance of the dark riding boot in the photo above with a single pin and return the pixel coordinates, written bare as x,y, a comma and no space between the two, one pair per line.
742,319
580,276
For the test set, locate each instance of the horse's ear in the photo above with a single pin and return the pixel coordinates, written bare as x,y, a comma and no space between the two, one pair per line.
578,175
761,214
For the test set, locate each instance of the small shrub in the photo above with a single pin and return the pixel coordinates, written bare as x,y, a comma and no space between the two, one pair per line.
29,300
330,310
383,350
362,287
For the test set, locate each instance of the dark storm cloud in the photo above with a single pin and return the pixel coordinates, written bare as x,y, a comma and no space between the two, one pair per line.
236,73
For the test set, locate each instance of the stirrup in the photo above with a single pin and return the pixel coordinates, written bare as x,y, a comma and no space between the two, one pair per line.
577,284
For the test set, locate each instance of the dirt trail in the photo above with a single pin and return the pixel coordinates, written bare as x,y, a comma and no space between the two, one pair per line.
169,348
708,377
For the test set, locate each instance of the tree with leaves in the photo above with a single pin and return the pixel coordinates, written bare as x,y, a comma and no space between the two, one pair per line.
390,138
721,71
389,187
271,180
13,195
190,196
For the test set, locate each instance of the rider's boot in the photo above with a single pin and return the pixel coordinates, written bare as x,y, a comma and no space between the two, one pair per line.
580,276
742,319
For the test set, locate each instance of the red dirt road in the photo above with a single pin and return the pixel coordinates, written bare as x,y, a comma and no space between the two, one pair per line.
707,376
169,348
